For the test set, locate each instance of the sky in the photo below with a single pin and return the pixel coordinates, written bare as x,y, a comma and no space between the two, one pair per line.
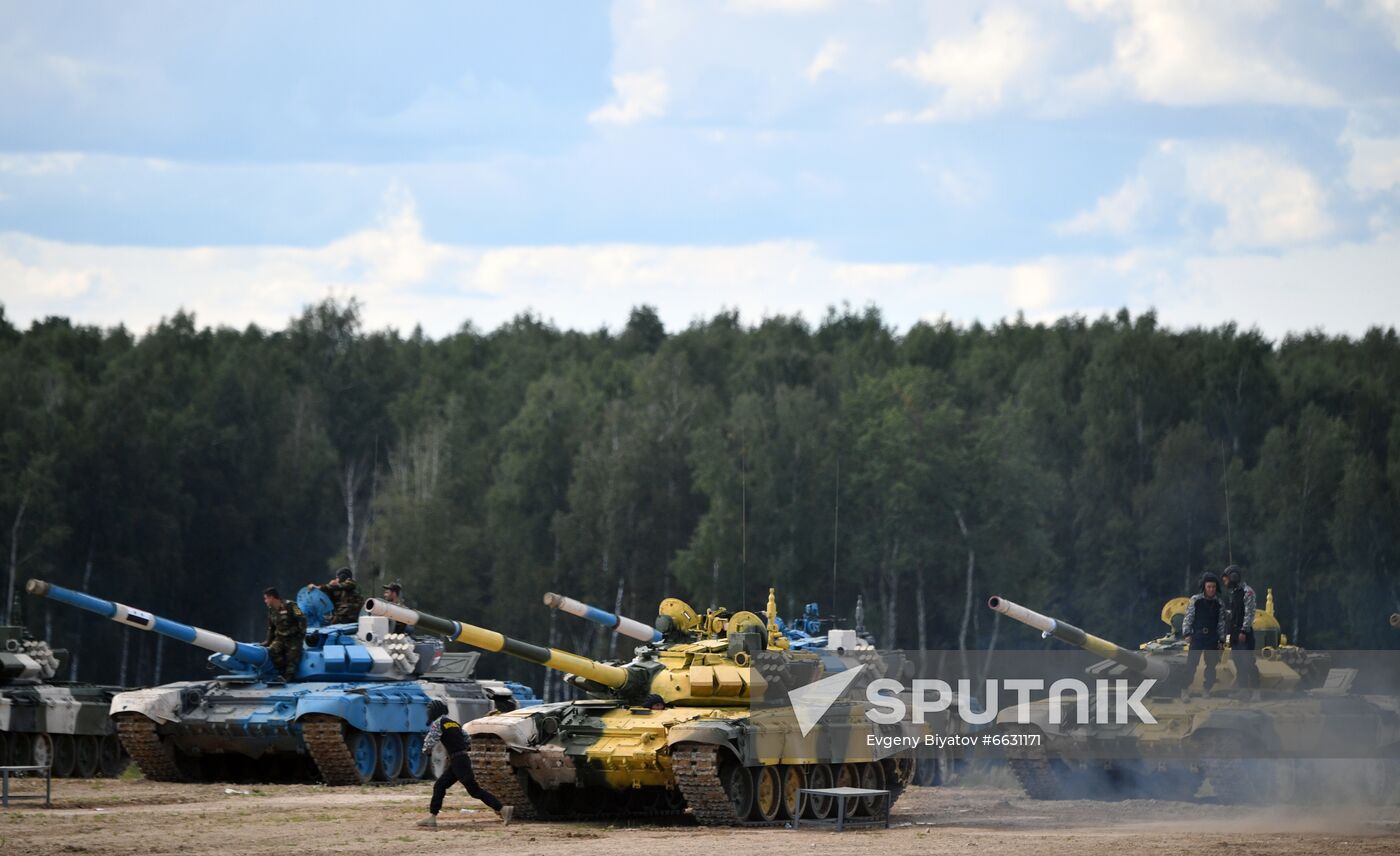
454,163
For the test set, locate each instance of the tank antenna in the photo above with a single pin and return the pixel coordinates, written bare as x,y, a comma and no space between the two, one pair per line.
1229,529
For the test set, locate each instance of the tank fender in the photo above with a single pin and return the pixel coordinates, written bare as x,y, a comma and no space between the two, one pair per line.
348,708
391,709
1246,725
518,729
712,733
1039,711
161,704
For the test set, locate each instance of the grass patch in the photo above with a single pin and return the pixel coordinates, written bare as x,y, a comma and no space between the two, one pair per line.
132,773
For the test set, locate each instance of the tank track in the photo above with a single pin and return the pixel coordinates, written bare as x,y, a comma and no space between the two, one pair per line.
1230,780
493,771
1038,778
491,765
696,768
143,744
325,740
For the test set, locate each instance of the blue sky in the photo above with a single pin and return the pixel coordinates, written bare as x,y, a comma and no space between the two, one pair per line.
456,162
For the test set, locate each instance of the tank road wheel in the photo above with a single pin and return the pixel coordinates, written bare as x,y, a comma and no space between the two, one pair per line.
344,755
1236,779
111,757
794,779
363,753
737,782
848,776
391,754
41,752
872,777
65,755
767,793
415,763
818,808
87,756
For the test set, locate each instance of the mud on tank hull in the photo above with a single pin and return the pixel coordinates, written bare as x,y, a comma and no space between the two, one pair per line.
308,731
727,766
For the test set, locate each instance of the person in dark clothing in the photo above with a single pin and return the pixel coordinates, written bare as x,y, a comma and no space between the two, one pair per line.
449,732
1204,627
1240,633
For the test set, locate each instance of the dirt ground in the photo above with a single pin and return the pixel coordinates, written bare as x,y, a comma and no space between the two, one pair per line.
137,817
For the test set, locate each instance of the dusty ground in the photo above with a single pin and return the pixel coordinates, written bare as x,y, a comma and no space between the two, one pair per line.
145,818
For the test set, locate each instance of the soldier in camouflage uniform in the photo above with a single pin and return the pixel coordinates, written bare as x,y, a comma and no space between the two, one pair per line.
286,633
1240,599
345,595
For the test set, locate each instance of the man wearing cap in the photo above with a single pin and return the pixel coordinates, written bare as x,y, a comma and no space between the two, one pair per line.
393,593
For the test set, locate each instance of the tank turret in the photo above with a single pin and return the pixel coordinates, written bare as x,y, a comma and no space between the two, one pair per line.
1069,634
619,624
24,659
710,671
331,653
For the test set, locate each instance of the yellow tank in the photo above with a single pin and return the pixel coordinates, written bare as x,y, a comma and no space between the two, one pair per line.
673,730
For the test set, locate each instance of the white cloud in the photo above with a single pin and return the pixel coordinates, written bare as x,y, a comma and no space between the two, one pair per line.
1114,214
826,59
1201,53
973,71
1387,12
783,6
1260,196
44,163
405,279
1374,164
636,97
1268,200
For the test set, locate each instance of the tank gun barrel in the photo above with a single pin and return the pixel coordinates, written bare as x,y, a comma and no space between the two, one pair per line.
254,656
613,677
619,624
1071,635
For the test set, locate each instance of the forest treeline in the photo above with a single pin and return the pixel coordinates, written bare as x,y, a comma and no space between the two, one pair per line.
1091,468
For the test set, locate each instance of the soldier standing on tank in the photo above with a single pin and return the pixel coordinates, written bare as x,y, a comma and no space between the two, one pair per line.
345,595
1207,619
393,593
449,732
1241,628
286,633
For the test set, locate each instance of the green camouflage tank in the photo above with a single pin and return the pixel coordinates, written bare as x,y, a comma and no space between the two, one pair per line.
62,724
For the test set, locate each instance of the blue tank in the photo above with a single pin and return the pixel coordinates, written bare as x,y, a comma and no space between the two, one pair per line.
356,710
